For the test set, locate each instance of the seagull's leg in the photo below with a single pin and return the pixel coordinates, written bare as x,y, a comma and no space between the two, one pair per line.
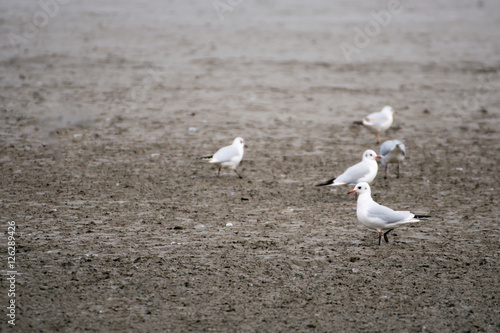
385,235
379,237
218,173
377,136
398,170
237,173
386,170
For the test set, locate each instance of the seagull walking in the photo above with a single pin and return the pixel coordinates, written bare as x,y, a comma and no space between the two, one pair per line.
377,217
364,171
229,156
378,121
392,151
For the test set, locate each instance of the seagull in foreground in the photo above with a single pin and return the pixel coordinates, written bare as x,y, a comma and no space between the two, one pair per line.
229,156
378,121
392,151
364,171
378,217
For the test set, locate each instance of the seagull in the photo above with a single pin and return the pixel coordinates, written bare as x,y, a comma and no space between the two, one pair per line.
392,151
378,217
364,171
229,156
378,121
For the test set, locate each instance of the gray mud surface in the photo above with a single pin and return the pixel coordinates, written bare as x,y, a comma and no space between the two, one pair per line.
120,228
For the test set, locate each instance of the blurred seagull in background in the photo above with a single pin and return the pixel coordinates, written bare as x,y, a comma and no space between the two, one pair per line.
377,217
364,171
392,151
378,121
229,156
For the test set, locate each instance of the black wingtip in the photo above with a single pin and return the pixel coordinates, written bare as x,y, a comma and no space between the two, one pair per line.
422,216
358,122
205,157
328,182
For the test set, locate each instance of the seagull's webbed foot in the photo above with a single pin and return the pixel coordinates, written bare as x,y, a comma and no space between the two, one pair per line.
385,235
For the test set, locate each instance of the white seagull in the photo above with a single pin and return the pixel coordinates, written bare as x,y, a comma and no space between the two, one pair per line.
378,217
364,171
392,151
378,121
229,156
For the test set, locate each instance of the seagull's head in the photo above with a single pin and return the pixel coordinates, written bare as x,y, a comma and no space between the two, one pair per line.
239,142
388,110
370,155
361,188
400,148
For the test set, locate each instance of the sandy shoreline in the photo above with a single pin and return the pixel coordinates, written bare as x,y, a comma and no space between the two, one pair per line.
119,227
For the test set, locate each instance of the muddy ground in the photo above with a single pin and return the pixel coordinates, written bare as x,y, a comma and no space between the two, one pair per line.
120,228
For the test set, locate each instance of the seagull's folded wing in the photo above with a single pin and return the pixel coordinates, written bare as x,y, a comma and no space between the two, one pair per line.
388,216
375,118
387,147
225,154
353,174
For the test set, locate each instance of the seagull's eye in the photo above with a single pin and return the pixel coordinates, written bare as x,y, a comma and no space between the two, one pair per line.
359,187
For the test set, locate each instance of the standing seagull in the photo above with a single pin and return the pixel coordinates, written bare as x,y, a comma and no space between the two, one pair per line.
364,171
229,156
392,151
378,217
378,121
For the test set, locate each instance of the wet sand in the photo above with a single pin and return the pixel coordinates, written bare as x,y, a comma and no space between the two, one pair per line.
105,109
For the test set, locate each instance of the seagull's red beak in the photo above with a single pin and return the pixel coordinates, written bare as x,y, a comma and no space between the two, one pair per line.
245,145
378,156
351,191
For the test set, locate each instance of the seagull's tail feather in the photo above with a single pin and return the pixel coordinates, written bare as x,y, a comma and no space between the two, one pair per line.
328,182
399,223
205,157
358,122
414,219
